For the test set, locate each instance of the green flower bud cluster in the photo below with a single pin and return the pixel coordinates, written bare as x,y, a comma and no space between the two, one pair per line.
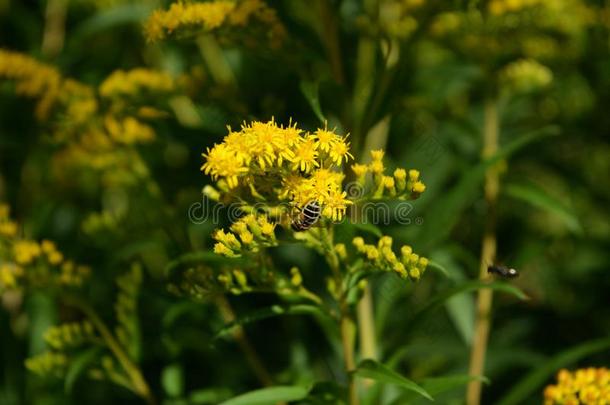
69,335
525,75
408,265
126,306
254,232
48,364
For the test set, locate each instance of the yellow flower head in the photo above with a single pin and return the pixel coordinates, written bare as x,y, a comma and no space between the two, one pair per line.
583,386
191,18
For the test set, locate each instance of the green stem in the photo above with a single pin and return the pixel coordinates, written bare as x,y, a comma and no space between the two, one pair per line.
346,321
488,252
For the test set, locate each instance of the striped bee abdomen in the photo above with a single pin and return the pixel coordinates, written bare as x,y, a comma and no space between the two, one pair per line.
308,216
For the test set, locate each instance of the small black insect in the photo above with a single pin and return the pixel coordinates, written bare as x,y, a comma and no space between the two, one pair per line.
309,215
502,271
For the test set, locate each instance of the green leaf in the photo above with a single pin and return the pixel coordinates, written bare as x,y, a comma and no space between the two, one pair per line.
536,196
533,381
270,312
269,396
107,19
439,385
311,90
78,366
209,396
369,228
376,371
445,212
440,299
436,266
172,380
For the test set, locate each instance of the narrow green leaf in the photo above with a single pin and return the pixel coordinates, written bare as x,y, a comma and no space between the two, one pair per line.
376,371
436,266
270,312
532,383
444,213
534,195
209,396
369,228
311,90
442,297
78,366
172,380
107,19
269,396
438,385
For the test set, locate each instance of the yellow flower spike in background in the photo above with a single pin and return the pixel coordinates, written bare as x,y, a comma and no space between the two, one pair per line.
588,386
32,78
184,19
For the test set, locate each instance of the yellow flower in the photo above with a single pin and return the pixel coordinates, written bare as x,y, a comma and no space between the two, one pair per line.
377,154
325,139
221,161
295,277
419,187
305,156
335,204
8,228
359,169
25,251
211,16
376,167
32,79
222,249
583,386
358,242
136,81
339,150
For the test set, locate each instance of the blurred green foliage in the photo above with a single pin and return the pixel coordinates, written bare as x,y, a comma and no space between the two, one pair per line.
411,77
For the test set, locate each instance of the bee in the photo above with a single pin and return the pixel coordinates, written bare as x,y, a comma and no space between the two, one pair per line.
502,271
309,215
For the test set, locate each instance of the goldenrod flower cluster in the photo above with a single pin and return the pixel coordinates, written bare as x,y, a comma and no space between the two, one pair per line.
545,29
32,79
499,7
401,185
254,232
268,162
27,262
525,75
589,386
94,135
408,265
69,335
187,19
8,228
136,82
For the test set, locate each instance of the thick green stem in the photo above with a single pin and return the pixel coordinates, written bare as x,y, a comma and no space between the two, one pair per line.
488,254
346,321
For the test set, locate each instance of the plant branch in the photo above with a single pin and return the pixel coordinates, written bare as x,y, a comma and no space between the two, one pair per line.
488,254
255,362
138,383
